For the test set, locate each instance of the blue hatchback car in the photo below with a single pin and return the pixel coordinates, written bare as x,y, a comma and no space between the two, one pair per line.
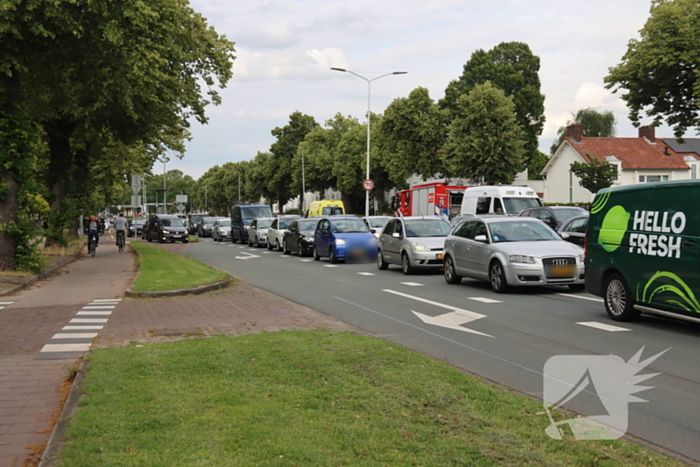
344,238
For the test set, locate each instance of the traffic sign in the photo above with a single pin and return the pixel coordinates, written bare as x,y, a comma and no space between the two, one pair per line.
368,185
180,208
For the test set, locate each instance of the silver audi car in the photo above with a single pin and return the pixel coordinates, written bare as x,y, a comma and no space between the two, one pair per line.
512,251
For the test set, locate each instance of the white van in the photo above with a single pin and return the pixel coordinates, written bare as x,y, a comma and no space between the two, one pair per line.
498,200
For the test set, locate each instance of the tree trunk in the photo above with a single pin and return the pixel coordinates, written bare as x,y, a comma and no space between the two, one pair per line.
8,213
61,165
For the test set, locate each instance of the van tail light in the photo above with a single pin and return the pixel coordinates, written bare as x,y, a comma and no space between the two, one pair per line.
585,246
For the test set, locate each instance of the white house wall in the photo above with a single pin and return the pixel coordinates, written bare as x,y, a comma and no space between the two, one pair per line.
559,179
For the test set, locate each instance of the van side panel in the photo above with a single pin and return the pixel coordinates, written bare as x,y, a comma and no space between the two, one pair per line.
651,235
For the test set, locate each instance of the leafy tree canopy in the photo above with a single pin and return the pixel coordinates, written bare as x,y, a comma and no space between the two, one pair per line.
593,123
596,175
660,72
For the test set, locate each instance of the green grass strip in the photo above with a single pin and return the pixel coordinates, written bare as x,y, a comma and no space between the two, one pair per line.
161,270
310,398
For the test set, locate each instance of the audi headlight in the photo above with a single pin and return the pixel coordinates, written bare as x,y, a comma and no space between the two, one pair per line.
417,246
521,259
339,241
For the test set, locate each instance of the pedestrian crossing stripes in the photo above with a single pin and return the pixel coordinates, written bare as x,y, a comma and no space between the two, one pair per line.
76,337
5,303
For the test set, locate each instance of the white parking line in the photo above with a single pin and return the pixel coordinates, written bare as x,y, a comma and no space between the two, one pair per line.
366,273
603,326
75,335
412,284
305,260
484,300
582,297
330,265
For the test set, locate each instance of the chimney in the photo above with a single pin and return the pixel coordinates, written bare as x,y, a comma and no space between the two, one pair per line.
575,132
647,132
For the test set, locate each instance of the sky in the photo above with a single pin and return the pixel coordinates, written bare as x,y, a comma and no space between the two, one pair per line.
285,49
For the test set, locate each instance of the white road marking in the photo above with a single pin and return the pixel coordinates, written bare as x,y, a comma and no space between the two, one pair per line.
88,335
449,319
582,297
248,255
103,300
285,256
603,326
94,313
412,284
66,348
330,265
88,321
305,260
484,300
366,273
81,328
98,307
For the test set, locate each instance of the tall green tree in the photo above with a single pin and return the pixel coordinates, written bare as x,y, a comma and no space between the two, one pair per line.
283,151
593,123
660,72
513,68
596,175
486,142
412,132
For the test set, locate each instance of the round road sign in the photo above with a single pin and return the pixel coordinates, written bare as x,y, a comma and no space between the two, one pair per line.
368,185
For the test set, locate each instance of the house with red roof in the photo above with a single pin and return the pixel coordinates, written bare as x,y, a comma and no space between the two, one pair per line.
638,160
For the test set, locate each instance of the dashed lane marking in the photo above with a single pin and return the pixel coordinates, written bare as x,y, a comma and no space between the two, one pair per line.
602,326
412,284
330,265
76,337
366,273
305,260
581,297
484,300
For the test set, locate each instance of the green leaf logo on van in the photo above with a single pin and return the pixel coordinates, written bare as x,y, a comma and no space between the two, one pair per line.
614,228
686,298
600,202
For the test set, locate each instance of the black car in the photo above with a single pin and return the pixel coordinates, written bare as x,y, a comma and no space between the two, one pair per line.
553,216
195,221
135,228
574,229
206,226
164,227
299,237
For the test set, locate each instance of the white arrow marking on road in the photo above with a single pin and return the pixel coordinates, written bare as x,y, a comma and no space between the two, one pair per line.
602,326
452,320
484,300
248,256
412,284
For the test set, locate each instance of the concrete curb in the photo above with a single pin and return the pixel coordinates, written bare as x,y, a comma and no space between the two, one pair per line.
70,407
177,293
42,275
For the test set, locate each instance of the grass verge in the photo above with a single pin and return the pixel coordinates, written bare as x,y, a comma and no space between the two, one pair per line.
310,398
161,270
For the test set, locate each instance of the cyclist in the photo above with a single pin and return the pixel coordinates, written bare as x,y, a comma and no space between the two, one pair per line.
92,229
120,228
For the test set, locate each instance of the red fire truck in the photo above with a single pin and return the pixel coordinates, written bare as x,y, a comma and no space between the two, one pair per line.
429,198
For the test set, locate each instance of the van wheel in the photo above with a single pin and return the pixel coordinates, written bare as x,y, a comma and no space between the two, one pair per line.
316,257
451,276
406,264
331,255
381,264
619,302
497,277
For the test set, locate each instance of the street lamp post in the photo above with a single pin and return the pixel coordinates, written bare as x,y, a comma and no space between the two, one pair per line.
165,192
369,88
303,180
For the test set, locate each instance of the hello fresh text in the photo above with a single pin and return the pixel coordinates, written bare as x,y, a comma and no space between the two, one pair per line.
657,243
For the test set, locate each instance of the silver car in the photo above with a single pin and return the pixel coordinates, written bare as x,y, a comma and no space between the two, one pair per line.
275,234
415,242
257,231
512,251
376,223
221,230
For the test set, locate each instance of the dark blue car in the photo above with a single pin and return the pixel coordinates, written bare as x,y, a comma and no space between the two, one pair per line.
344,238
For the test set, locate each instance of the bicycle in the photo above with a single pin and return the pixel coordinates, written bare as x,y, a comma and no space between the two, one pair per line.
120,240
91,245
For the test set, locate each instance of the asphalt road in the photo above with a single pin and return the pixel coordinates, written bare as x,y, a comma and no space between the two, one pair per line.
506,338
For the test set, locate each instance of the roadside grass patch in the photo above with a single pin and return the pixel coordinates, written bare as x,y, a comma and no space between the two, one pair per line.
310,398
161,270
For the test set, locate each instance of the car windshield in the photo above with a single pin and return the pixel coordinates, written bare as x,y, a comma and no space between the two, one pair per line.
250,213
284,223
378,222
172,223
264,223
521,232
209,220
197,218
349,226
138,221
515,205
427,228
225,223
307,226
563,215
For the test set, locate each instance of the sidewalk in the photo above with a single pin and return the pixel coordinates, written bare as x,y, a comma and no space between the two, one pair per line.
32,391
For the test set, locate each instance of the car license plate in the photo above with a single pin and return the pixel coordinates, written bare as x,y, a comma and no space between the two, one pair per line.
566,270
439,256
177,236
357,253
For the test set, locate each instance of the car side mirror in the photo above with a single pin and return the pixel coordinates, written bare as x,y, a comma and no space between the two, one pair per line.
564,235
481,238
373,230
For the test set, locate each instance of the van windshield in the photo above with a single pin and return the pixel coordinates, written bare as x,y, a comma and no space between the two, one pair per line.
264,223
255,212
330,210
515,205
171,222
